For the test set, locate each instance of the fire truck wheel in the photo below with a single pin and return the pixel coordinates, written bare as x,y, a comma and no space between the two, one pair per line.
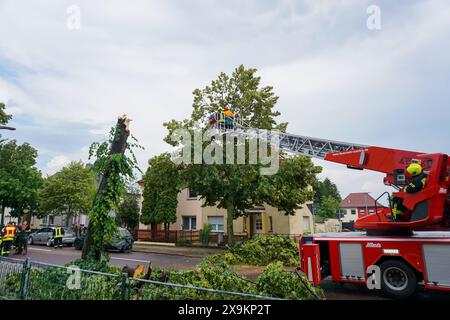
397,279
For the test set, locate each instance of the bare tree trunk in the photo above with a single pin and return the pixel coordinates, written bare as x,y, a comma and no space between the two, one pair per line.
118,147
154,230
230,218
3,215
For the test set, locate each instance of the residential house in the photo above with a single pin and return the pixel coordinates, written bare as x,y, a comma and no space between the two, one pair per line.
260,220
357,205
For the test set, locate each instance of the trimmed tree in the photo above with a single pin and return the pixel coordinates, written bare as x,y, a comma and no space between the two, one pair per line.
114,167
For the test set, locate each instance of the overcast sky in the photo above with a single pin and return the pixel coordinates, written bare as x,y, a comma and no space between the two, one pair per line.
336,78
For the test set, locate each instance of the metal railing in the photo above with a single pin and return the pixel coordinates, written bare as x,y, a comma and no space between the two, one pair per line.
30,280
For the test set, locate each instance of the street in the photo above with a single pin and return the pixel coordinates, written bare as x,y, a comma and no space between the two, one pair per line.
167,260
68,254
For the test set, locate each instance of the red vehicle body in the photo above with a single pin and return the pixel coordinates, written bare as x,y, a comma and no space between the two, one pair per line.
392,256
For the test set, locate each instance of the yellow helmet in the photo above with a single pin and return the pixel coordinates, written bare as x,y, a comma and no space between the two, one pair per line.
414,169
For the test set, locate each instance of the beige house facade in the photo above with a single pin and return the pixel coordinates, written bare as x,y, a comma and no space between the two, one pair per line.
262,220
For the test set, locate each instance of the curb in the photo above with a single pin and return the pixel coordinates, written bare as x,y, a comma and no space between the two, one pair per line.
169,253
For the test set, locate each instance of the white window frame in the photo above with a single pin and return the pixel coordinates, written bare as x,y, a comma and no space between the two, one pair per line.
190,218
216,226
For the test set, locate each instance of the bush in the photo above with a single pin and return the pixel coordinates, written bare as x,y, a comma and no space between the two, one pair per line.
51,284
261,251
276,282
205,234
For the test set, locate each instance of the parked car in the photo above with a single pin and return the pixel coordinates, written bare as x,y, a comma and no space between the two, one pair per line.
45,236
123,241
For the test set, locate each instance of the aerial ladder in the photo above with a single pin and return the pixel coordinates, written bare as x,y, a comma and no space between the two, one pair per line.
406,253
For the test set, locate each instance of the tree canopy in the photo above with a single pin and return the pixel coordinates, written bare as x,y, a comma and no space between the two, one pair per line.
162,183
128,214
326,188
20,180
4,117
239,187
328,207
68,192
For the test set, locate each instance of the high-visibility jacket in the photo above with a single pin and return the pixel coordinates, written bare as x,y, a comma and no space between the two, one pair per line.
417,183
58,232
229,113
10,232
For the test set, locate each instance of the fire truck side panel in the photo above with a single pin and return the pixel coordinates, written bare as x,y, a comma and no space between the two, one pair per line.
437,266
349,258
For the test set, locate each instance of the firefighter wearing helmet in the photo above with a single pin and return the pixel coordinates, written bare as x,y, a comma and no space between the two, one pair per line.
416,184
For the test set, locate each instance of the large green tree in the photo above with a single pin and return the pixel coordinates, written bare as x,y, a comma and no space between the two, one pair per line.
20,180
326,188
328,207
162,183
128,214
239,187
68,192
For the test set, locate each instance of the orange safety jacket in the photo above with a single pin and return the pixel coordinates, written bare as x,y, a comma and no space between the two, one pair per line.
10,232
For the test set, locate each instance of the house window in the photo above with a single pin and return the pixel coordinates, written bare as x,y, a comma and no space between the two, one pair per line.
306,226
189,222
353,211
270,224
362,211
371,211
258,223
192,194
51,220
216,223
44,220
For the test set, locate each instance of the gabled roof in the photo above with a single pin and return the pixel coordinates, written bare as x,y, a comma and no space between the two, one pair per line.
356,200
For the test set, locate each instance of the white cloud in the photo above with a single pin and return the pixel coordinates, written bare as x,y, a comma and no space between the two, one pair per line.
335,78
56,163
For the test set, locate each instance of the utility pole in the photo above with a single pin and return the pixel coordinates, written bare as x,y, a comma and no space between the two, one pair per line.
118,146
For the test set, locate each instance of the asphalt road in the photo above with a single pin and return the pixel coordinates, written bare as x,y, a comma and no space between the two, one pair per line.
333,291
132,259
350,291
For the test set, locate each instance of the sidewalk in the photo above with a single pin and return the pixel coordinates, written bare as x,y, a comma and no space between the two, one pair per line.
171,249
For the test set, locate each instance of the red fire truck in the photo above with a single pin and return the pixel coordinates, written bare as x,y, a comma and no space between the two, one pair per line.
387,255
392,256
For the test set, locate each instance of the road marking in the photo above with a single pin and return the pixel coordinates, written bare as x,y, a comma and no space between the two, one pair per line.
135,260
37,249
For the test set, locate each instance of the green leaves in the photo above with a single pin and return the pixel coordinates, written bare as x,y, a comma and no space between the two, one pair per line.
162,183
324,189
239,187
290,186
260,251
128,213
70,191
19,178
328,206
4,118
114,168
